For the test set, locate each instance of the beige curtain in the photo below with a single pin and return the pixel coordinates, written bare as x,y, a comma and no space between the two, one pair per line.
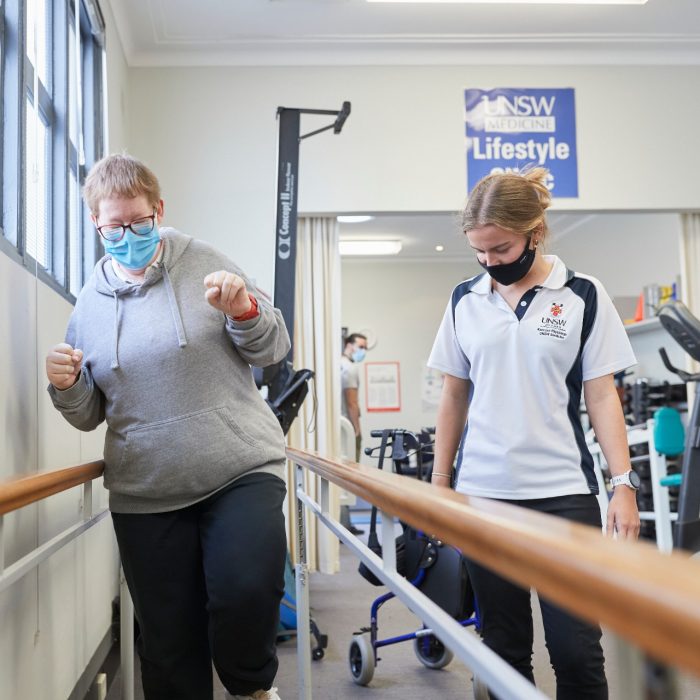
690,278
317,347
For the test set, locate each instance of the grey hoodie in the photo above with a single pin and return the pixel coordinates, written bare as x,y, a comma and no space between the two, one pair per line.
171,376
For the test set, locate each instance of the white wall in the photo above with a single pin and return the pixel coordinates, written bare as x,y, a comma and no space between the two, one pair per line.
401,305
625,251
210,133
56,616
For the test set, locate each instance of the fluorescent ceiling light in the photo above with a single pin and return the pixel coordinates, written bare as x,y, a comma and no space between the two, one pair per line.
439,248
526,2
354,219
371,247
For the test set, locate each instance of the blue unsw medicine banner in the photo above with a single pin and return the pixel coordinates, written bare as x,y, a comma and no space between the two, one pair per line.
509,129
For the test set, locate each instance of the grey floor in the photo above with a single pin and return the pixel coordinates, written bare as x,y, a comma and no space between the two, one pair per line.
340,605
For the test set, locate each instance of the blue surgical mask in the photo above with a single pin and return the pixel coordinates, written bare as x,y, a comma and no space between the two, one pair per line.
134,252
359,355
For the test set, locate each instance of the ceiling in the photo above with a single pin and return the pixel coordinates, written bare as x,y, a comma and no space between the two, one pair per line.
354,32
578,236
420,233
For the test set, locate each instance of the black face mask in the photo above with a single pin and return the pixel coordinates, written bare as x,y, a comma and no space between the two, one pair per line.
509,273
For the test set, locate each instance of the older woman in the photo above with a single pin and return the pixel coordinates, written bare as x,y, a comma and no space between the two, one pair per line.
160,346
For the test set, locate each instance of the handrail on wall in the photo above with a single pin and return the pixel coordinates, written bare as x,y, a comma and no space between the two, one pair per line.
23,491
649,598
17,493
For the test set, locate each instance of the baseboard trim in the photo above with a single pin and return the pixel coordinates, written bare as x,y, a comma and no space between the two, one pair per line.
82,687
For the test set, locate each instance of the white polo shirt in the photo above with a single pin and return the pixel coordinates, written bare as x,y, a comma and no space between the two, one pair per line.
349,379
524,437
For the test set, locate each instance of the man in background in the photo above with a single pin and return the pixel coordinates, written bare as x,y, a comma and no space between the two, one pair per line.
354,351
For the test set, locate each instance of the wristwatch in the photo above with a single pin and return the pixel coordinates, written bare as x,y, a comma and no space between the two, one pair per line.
630,478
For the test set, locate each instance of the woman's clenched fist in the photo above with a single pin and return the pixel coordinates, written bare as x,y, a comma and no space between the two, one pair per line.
227,292
63,364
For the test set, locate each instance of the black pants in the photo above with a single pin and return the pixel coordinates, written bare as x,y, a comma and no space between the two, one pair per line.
506,618
206,583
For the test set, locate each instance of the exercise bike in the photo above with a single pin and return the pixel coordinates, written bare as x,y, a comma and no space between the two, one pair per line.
685,329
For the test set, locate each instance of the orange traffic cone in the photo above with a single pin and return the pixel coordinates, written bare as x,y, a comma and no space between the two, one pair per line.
639,312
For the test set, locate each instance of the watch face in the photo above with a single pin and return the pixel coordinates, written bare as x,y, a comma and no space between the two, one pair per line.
634,479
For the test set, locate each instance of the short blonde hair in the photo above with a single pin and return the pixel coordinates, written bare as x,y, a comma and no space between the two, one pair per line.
120,176
512,201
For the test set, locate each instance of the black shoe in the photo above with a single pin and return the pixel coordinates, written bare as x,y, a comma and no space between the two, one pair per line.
356,530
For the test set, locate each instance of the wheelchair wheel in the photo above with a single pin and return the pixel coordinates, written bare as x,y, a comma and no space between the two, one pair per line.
481,692
431,652
361,658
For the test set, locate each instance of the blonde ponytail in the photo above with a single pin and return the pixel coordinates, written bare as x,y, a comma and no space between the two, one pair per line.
537,177
513,201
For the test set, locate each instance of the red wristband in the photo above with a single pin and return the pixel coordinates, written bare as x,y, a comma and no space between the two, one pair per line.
253,312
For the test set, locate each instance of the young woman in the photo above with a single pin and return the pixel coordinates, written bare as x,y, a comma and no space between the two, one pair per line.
160,346
518,344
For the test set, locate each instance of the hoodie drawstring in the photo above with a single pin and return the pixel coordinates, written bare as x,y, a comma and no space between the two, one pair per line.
115,349
174,309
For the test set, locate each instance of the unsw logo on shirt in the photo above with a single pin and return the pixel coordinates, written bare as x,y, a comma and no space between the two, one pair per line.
552,324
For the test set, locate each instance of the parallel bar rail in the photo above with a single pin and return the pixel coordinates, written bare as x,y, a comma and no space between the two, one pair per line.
649,598
499,676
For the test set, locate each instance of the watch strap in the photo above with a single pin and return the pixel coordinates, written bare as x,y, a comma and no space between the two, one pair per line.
253,312
622,480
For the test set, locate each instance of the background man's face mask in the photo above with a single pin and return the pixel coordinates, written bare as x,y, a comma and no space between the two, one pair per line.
358,354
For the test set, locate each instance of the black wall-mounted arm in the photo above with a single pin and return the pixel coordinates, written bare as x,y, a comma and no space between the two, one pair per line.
286,222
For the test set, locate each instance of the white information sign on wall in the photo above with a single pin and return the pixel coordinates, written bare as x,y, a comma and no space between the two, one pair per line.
382,386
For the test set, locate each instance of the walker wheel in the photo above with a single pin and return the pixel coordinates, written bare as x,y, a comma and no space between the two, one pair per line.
361,658
481,691
317,654
431,652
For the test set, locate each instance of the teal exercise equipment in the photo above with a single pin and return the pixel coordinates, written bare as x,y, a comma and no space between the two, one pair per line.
669,434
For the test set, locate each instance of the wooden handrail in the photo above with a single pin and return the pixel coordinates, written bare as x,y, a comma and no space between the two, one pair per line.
21,492
650,599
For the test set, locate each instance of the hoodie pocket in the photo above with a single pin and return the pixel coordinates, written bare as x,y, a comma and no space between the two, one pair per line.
185,457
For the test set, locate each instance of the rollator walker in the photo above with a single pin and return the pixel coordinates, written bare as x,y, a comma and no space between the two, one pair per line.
436,569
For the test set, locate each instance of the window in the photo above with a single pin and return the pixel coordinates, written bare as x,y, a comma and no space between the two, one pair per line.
38,120
51,60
